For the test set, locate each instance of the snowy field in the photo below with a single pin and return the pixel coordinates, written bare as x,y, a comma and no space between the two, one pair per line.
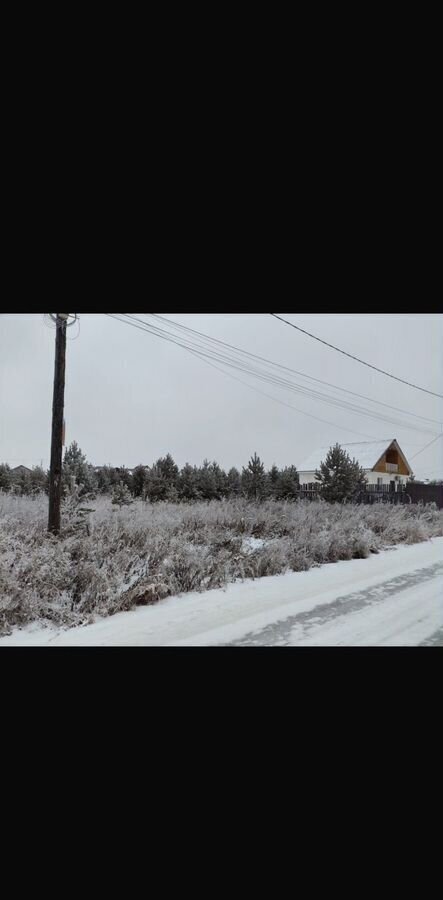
394,598
109,561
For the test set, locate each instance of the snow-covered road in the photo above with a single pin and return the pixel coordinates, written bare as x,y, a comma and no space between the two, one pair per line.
392,599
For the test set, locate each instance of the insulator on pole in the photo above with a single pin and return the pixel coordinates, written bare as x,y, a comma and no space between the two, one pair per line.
63,317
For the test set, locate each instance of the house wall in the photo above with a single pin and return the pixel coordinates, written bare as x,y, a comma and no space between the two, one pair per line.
386,477
307,477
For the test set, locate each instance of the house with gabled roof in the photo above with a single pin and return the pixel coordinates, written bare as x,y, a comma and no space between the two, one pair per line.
21,470
384,462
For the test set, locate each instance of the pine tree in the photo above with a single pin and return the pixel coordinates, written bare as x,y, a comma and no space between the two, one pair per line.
75,460
104,478
114,476
254,478
5,477
21,483
77,471
207,481
139,481
162,481
220,479
158,487
288,484
273,479
121,495
187,483
39,480
124,475
168,469
233,483
340,477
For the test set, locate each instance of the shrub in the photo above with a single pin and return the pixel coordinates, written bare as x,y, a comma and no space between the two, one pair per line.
106,562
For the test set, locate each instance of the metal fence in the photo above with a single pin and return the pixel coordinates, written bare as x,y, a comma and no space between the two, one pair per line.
385,493
426,493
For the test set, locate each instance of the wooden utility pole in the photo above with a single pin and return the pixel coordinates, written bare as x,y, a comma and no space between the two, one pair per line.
55,475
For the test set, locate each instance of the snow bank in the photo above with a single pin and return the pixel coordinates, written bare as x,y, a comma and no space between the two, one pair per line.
407,615
111,561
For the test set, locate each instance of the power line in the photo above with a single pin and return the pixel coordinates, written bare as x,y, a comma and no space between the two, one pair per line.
293,371
287,369
320,397
196,350
427,445
251,387
282,402
382,372
265,376
262,375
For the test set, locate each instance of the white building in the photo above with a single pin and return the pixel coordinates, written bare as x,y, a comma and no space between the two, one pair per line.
383,462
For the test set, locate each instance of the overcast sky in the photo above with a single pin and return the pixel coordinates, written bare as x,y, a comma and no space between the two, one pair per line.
131,397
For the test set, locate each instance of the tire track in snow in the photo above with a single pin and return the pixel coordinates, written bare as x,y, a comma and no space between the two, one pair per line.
435,640
281,633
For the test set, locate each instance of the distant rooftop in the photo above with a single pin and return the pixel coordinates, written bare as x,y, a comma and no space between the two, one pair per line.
366,453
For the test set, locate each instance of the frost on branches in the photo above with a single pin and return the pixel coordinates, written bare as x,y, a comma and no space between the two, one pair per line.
121,496
341,478
112,558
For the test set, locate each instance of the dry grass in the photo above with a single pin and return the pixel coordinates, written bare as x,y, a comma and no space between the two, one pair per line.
112,560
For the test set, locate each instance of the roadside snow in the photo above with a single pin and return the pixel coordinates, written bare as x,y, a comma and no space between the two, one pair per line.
251,543
405,620
393,598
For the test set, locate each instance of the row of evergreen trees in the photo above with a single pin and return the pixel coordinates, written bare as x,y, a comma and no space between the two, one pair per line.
162,481
165,481
340,478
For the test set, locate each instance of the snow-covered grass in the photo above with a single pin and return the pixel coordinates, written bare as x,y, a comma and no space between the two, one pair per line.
393,598
109,560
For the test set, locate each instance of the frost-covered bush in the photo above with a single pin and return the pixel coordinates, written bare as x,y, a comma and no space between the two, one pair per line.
109,558
121,495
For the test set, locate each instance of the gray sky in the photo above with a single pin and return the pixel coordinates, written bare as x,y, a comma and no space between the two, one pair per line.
131,397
